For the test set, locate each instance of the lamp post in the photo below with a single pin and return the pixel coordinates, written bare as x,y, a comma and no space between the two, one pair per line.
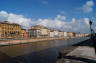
90,23
92,36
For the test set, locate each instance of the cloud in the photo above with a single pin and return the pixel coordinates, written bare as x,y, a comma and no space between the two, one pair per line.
3,15
59,22
88,6
44,2
60,17
13,18
69,26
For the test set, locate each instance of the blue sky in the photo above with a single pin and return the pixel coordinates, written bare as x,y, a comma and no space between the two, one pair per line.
67,15
45,8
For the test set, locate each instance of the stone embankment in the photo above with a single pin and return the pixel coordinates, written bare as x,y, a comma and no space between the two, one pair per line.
83,52
11,42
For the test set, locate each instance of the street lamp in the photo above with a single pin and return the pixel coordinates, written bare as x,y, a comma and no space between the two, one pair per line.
90,23
92,36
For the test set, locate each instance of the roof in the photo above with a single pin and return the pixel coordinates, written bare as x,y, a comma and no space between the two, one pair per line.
23,29
6,22
33,29
39,26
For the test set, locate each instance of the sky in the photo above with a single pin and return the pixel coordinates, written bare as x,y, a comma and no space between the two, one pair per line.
66,15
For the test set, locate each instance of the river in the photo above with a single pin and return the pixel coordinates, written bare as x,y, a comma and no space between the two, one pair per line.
37,52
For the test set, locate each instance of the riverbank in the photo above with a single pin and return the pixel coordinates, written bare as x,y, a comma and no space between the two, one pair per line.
13,42
83,52
43,51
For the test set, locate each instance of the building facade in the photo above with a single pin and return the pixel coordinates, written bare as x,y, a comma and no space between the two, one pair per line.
51,33
65,34
38,31
71,34
34,33
24,33
9,30
61,34
56,33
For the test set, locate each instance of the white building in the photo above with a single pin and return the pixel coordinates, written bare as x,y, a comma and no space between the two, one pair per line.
56,33
34,33
39,31
71,34
51,33
65,34
61,34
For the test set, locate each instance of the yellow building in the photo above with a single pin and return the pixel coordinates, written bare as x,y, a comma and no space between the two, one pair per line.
9,30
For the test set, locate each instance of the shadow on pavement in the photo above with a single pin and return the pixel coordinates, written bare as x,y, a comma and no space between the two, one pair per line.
4,58
89,43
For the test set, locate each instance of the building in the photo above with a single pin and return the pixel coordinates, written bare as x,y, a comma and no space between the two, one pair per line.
60,34
56,33
65,34
86,35
9,30
39,31
34,33
24,33
51,33
83,35
80,35
71,34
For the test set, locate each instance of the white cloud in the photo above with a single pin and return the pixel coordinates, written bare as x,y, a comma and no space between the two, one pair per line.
3,15
60,17
44,2
86,21
13,18
59,22
73,26
88,6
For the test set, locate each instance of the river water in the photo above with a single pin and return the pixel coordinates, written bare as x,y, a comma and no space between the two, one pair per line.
37,52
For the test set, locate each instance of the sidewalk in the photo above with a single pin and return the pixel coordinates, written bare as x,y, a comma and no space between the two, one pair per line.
81,54
83,51
11,42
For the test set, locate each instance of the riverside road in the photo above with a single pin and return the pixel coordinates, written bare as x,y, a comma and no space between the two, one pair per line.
37,52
